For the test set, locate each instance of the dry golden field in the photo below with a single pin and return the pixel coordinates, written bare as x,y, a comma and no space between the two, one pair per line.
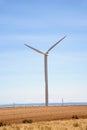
70,124
18,114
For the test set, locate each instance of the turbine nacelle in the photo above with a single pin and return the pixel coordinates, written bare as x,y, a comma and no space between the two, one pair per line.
46,54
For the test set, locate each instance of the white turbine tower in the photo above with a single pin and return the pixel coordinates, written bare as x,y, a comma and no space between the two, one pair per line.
45,66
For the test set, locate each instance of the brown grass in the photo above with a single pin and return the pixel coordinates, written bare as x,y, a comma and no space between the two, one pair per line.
80,124
18,114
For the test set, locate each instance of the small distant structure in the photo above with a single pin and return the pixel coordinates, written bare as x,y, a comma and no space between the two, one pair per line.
14,105
62,102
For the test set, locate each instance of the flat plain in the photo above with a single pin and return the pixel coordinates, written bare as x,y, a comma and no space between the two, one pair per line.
38,113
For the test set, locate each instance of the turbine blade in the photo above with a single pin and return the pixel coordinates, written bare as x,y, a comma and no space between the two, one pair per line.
55,44
35,49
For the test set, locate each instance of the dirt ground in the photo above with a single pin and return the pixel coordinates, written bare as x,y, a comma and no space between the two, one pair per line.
18,114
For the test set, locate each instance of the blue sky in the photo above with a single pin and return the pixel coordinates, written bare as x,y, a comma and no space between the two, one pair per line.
41,23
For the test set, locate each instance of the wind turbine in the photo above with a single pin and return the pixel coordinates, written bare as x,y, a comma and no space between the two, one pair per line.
45,65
